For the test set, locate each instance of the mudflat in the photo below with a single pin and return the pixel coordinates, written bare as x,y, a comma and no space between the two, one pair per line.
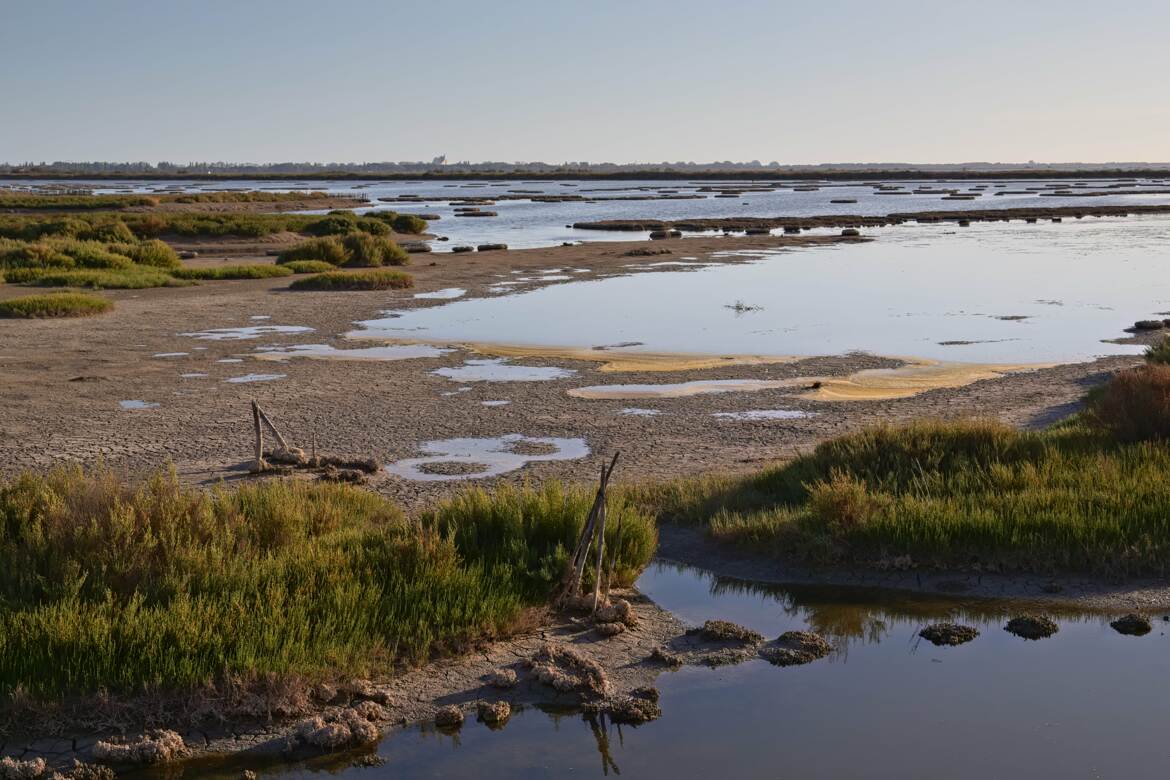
64,381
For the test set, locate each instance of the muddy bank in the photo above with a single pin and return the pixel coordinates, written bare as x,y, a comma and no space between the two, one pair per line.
858,221
692,547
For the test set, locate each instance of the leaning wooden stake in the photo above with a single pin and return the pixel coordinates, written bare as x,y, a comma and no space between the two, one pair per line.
260,464
279,439
572,584
600,553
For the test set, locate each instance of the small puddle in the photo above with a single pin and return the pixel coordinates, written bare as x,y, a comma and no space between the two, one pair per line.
451,459
169,354
329,352
247,378
500,370
634,411
245,333
192,375
682,389
445,294
494,403
138,404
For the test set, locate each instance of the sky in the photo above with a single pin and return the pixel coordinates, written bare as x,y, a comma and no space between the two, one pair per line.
606,80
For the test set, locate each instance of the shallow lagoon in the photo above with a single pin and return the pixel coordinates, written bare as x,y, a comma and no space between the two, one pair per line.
990,293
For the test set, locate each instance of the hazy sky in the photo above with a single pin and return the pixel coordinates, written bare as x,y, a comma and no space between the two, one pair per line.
617,80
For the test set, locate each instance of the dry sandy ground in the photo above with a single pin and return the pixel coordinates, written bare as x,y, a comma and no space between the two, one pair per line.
61,383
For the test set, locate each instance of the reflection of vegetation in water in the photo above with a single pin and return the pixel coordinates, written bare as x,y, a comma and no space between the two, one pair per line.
845,614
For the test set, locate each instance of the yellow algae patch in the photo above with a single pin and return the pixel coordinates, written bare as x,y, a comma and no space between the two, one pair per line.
612,359
883,384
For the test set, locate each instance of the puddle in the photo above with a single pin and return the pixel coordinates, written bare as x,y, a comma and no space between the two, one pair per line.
634,411
329,352
488,457
138,405
494,403
683,389
192,375
443,295
230,360
247,378
260,317
763,414
169,354
500,370
245,333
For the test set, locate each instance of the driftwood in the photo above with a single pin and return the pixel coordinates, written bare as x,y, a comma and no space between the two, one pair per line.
571,587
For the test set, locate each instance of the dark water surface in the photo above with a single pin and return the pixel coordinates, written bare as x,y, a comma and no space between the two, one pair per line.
1085,703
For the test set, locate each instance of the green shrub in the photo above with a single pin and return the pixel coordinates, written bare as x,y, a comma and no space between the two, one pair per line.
1135,404
327,249
308,266
375,279
534,531
112,231
1160,352
366,250
55,305
156,254
254,271
409,223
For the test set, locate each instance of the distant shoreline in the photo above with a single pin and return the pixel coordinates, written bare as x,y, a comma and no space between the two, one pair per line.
903,174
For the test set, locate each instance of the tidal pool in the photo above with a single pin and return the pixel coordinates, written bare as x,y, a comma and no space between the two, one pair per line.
501,370
1000,293
249,378
138,404
452,459
246,333
1086,702
329,352
754,415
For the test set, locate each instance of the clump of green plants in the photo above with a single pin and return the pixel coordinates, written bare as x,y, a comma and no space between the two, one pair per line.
155,253
373,279
111,585
55,305
366,250
327,249
133,278
220,272
534,530
1073,498
1160,352
1135,404
73,202
308,266
343,223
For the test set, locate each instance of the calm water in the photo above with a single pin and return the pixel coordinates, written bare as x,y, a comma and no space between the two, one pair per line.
522,223
1085,703
990,293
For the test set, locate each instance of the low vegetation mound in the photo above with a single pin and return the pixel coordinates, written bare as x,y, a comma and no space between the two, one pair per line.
220,272
955,495
308,266
107,585
373,279
327,249
55,305
1135,405
1032,626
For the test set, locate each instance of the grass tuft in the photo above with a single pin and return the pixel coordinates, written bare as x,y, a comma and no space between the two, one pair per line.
221,272
373,279
55,305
